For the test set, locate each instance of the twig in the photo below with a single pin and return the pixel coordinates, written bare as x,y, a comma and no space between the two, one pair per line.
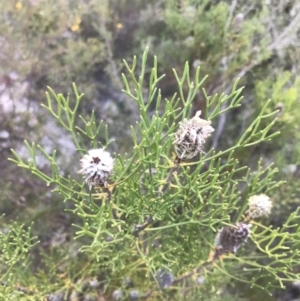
147,295
177,162
207,264
108,200
283,39
232,8
139,228
19,289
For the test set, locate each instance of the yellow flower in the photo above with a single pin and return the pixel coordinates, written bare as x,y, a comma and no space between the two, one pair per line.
19,6
76,24
75,27
119,25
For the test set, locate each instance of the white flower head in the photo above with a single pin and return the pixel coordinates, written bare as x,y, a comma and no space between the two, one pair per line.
259,205
230,238
97,165
191,136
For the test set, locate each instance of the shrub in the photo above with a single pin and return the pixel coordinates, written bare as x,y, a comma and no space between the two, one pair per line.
174,225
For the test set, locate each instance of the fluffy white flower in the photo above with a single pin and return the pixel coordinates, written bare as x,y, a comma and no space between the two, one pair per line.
191,136
259,205
97,165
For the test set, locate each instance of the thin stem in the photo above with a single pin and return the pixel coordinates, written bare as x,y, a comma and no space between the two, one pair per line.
139,228
108,201
75,140
22,289
170,176
147,295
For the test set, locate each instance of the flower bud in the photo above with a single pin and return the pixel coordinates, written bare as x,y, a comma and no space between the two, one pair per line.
56,297
117,295
134,295
200,280
164,278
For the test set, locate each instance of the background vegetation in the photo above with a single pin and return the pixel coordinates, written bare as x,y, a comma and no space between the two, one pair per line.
54,43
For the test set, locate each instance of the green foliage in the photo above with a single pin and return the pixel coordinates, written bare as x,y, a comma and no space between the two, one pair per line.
39,33
208,34
16,242
284,91
146,220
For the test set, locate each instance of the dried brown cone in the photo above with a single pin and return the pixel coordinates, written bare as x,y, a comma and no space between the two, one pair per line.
230,238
